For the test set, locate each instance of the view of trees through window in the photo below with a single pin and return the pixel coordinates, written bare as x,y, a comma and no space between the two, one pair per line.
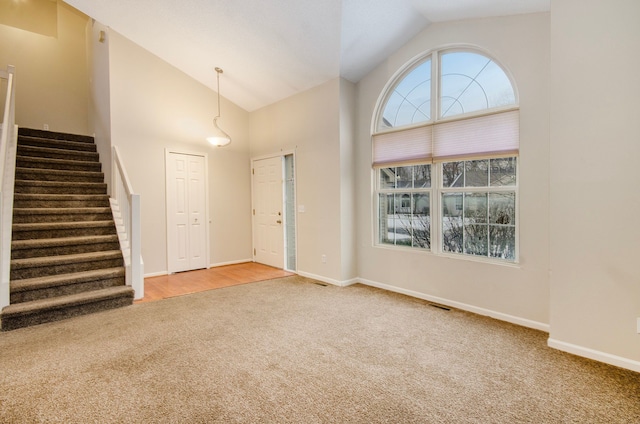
405,206
478,203
481,219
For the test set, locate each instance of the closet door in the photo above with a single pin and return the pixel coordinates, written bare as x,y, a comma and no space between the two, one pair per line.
186,212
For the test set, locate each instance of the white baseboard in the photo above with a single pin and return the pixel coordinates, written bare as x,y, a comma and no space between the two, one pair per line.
463,306
241,261
327,279
596,355
155,274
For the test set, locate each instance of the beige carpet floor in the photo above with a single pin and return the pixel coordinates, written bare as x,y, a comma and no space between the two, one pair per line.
292,351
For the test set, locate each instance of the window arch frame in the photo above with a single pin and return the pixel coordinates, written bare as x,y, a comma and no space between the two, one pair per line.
435,56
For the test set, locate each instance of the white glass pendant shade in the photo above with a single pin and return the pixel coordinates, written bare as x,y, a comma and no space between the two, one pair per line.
219,138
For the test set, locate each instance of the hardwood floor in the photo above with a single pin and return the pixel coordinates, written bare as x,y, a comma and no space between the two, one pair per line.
165,286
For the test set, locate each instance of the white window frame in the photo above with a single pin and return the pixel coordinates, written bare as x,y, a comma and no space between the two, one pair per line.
436,190
411,191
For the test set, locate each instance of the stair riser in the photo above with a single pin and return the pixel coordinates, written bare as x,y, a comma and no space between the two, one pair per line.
28,162
56,144
31,174
69,217
12,323
44,203
19,274
62,189
67,289
63,250
63,232
37,152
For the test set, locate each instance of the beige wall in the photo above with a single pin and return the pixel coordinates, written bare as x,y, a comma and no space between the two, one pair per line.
99,106
595,239
309,124
155,107
515,293
51,73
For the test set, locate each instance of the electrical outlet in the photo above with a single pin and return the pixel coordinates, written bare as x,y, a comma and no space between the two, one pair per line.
46,127
324,259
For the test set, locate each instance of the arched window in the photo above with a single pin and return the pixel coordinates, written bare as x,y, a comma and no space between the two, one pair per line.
450,118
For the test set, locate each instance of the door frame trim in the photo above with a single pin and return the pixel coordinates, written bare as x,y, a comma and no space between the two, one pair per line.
167,152
281,155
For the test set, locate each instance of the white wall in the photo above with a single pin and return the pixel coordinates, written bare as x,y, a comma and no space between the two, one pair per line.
309,123
515,293
154,106
595,238
51,73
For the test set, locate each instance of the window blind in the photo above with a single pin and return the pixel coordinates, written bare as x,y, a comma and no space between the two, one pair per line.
479,136
497,133
411,145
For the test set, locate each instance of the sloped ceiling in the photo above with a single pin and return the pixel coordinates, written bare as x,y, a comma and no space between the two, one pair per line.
272,49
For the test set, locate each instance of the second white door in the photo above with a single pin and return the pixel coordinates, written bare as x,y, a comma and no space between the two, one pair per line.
186,212
268,212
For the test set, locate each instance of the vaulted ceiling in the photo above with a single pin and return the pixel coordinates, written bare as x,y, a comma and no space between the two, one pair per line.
272,49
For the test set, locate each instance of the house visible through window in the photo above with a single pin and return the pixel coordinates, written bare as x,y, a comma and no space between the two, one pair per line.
449,184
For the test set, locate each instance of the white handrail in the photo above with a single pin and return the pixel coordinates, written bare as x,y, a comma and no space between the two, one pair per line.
126,210
8,142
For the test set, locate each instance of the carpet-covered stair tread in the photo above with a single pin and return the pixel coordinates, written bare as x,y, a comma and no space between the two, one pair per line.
60,200
35,288
56,308
77,262
43,174
53,135
59,187
53,153
64,164
34,230
57,144
32,248
36,215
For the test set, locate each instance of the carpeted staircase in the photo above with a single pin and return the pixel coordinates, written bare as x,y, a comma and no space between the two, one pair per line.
65,254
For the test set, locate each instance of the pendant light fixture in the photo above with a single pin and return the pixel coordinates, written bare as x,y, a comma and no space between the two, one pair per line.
220,138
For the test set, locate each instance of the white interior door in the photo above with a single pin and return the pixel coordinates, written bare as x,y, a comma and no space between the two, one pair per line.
186,212
268,217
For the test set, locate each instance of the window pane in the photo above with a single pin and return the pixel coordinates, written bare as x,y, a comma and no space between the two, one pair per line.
422,176
476,240
421,221
503,172
476,173
475,208
471,82
386,222
452,222
403,228
502,208
452,174
404,176
410,100
502,242
387,178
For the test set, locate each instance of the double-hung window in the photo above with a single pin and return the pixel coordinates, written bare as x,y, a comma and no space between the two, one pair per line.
445,157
